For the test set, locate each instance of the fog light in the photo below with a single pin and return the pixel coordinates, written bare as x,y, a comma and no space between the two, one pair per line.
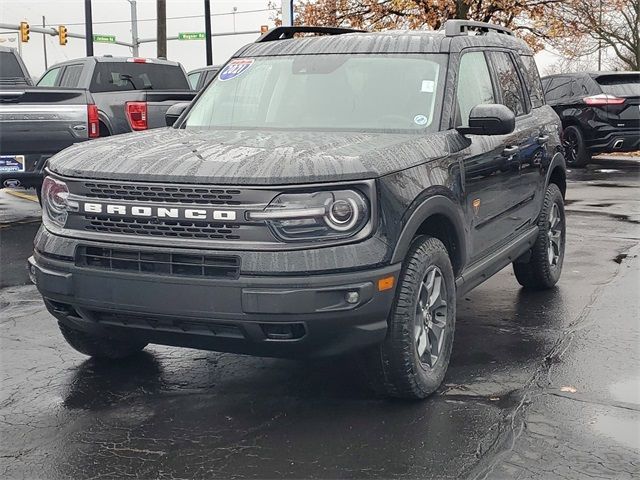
32,274
352,297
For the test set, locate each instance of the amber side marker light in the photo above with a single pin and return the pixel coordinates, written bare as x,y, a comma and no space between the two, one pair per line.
385,283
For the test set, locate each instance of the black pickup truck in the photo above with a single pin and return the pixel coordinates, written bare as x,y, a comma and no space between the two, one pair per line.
323,195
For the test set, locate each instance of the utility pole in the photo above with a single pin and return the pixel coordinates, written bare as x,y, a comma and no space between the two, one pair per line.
600,39
161,10
88,27
207,31
287,13
44,44
134,28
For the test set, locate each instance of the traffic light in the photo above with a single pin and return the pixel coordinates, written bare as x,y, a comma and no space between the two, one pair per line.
24,32
62,34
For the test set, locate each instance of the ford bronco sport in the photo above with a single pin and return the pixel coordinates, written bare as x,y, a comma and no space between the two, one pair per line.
323,195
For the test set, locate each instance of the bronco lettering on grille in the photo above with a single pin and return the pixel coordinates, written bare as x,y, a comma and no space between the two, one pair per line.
159,212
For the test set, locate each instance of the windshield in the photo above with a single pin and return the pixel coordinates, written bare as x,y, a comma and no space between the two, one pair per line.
324,92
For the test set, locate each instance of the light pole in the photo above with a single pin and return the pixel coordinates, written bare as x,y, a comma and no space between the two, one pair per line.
134,28
235,9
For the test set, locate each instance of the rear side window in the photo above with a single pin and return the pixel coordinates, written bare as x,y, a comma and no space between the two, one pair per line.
558,88
123,76
9,67
508,82
620,85
532,81
193,79
71,76
49,78
474,85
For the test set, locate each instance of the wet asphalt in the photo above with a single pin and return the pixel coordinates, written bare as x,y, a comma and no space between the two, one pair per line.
541,384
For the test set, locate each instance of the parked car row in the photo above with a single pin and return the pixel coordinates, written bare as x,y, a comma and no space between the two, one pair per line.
81,99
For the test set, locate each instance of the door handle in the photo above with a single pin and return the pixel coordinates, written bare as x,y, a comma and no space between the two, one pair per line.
542,139
508,151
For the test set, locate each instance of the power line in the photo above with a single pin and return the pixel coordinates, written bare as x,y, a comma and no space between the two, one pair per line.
168,18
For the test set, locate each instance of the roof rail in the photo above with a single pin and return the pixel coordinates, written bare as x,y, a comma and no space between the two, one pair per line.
284,33
454,28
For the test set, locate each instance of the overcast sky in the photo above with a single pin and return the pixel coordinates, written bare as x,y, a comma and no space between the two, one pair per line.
190,53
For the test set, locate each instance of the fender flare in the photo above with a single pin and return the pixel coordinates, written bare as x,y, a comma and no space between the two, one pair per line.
103,118
556,161
435,205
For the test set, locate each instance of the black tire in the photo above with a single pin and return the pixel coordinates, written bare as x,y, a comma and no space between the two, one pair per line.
98,346
395,367
576,152
544,267
103,130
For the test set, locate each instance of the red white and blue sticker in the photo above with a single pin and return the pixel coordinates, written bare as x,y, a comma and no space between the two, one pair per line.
235,68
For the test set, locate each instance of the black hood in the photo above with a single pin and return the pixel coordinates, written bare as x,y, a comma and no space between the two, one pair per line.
247,157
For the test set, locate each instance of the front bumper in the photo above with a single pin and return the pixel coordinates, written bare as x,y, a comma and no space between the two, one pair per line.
269,315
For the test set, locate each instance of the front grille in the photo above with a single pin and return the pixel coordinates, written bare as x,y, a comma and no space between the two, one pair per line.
162,228
209,266
164,193
159,323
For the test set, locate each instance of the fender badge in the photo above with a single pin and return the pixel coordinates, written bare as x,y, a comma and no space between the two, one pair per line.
476,206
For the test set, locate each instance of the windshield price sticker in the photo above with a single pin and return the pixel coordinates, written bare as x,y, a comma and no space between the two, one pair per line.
235,68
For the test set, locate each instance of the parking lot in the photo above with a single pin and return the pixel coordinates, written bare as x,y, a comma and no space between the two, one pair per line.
541,384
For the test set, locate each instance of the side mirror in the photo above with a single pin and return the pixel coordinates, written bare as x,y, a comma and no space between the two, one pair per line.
174,111
490,119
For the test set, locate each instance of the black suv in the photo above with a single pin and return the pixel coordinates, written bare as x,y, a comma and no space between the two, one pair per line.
323,195
600,112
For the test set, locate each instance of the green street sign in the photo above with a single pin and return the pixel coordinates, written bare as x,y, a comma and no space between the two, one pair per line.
191,36
104,38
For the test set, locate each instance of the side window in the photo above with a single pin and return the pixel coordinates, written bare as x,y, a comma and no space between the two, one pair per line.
193,79
474,85
532,81
562,88
71,76
49,78
508,82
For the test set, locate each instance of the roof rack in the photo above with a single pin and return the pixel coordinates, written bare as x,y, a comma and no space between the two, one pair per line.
284,33
455,28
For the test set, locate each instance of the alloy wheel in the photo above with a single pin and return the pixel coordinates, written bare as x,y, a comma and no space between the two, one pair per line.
555,235
571,147
431,317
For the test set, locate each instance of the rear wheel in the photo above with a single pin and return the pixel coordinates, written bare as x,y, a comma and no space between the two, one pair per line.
412,360
544,267
99,346
576,152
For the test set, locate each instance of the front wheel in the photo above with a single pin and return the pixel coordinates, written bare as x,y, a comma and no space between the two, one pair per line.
544,267
412,360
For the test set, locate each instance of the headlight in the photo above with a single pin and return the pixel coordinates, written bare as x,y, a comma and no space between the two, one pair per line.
55,201
315,216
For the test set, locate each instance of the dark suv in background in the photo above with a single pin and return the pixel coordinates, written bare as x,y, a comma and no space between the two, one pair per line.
600,112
